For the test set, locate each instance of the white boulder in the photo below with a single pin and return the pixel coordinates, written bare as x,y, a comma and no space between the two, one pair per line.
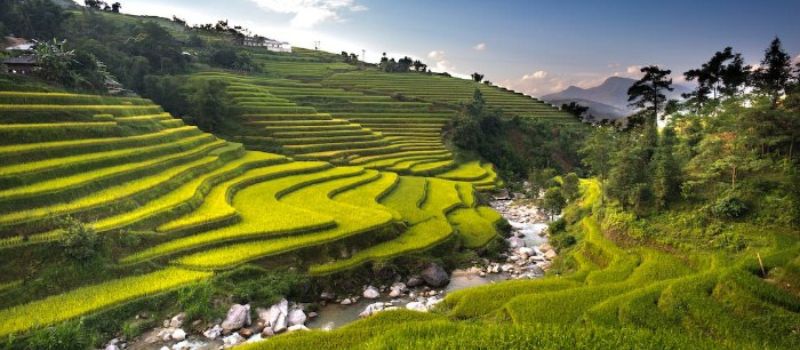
177,320
417,306
371,293
213,332
178,334
296,317
238,316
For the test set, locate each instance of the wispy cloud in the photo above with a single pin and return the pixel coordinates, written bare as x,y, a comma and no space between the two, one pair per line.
479,47
440,63
633,69
309,13
539,74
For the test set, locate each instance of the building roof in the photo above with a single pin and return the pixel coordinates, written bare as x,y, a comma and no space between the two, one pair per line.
11,43
26,59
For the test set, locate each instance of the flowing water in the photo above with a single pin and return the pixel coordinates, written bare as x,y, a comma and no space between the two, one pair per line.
527,224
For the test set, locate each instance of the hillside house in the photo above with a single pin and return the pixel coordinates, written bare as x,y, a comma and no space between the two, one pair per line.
24,65
269,44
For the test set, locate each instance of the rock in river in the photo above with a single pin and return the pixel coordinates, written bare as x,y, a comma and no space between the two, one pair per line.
371,293
435,276
238,317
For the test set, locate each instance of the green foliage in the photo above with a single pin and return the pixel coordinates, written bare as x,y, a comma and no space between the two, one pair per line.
647,92
553,201
77,69
557,226
80,242
196,300
570,187
167,91
66,336
774,74
261,287
666,172
729,207
32,19
227,56
563,241
542,179
211,105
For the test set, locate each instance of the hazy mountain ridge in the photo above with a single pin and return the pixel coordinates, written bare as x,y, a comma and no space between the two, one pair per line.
607,100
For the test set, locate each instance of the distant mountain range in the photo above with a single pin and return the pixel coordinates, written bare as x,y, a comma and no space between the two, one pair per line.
608,100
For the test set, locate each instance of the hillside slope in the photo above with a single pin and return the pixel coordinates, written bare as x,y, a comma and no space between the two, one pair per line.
186,202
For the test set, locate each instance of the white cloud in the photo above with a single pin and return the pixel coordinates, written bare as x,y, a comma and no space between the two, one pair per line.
633,69
436,55
442,64
539,74
479,47
308,13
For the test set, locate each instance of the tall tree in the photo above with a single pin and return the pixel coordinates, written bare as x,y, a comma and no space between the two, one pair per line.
211,104
553,201
648,92
735,75
570,187
477,77
597,151
772,78
666,170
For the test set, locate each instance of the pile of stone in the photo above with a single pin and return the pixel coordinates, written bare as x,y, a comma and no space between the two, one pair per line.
238,326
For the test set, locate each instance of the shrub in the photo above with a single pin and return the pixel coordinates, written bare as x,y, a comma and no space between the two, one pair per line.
195,300
257,286
729,207
80,242
570,187
557,226
66,336
504,227
563,241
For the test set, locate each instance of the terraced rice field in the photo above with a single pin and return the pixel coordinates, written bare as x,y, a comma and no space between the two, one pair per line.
643,298
201,204
446,90
309,121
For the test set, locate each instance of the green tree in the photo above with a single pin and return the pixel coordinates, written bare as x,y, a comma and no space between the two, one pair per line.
541,179
33,19
211,105
553,201
628,179
774,74
666,170
724,74
79,242
570,187
647,92
477,77
597,152
55,61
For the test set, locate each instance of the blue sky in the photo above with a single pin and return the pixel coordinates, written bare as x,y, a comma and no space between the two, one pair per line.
537,47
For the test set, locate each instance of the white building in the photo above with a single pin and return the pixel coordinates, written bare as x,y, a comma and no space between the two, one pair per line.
269,44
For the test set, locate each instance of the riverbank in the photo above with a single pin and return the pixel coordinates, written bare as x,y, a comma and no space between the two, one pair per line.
528,256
